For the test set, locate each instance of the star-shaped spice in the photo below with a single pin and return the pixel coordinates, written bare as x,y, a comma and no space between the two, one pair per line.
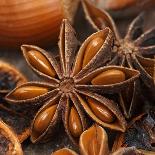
136,50
73,85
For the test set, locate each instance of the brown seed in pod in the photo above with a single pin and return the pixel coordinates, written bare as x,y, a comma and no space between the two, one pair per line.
10,77
140,134
69,82
9,143
136,51
94,141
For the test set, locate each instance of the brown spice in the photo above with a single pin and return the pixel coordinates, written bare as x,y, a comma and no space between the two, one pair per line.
136,50
71,85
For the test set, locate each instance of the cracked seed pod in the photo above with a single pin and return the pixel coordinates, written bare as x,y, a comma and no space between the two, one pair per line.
136,50
10,77
72,85
9,144
124,8
36,22
94,141
140,134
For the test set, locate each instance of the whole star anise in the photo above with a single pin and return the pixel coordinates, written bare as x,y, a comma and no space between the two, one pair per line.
136,50
94,141
73,85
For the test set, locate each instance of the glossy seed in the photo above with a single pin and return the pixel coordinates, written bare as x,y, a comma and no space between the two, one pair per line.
40,62
91,50
109,77
75,125
64,152
101,111
93,148
44,118
28,92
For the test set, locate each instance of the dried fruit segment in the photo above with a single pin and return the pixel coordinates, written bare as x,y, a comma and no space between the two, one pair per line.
43,119
102,112
40,62
93,148
28,92
99,19
91,49
94,141
9,143
75,125
109,77
148,65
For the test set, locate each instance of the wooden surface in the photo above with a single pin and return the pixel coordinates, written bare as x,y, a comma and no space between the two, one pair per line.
15,57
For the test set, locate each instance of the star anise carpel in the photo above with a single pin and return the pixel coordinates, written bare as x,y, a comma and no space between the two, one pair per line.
94,141
136,50
73,84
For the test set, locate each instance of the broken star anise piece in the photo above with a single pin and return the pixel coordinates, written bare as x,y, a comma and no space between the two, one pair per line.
94,141
17,121
72,85
136,50
9,143
140,134
10,77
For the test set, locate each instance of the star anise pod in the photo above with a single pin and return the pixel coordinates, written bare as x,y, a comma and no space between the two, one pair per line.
124,8
140,133
94,141
73,85
9,143
10,77
135,50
